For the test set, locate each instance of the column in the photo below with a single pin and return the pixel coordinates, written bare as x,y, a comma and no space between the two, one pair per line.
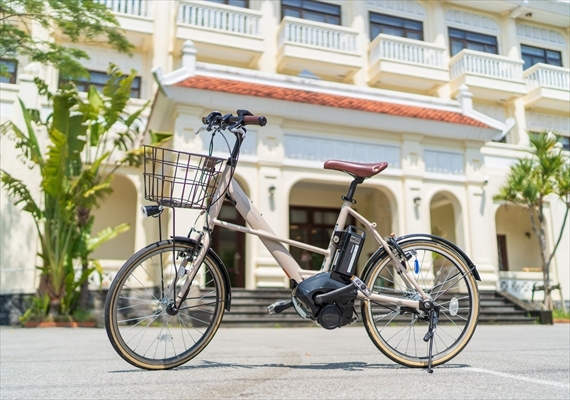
272,200
356,16
416,206
480,232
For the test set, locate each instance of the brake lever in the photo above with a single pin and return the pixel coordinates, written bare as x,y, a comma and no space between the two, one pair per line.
201,129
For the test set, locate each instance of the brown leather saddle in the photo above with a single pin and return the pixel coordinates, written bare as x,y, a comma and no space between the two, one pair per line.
357,170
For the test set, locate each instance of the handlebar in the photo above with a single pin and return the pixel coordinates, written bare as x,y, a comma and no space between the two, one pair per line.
243,118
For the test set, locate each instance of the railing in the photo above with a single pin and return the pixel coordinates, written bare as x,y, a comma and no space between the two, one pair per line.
131,7
547,76
220,17
519,283
326,36
406,50
490,65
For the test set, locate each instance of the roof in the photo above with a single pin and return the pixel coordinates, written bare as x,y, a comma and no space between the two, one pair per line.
324,99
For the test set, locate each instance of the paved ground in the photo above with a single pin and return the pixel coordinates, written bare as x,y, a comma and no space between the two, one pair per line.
501,362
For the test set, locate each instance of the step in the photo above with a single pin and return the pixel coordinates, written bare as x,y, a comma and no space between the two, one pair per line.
249,308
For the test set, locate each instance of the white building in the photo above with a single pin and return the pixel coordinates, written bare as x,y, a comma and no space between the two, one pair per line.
445,91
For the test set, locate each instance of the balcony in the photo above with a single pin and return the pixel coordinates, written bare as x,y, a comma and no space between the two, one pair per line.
397,62
329,51
548,87
132,15
488,76
222,34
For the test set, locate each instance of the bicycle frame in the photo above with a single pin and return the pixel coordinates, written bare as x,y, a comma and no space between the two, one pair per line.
260,228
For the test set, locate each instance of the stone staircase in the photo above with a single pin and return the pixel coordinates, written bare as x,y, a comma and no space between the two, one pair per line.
249,308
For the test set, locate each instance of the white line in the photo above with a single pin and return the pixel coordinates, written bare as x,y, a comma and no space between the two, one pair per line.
520,378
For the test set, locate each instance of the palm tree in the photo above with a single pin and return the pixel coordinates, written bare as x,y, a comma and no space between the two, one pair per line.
545,173
76,171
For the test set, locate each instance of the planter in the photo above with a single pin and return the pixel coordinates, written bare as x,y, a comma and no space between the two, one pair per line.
90,324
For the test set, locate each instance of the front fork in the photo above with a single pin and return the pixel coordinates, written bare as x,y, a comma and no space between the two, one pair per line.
195,259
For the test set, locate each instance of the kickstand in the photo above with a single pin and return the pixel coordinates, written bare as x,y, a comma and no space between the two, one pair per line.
433,320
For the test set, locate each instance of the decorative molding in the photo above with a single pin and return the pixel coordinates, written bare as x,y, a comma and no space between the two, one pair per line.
540,34
444,163
539,121
471,20
317,149
408,7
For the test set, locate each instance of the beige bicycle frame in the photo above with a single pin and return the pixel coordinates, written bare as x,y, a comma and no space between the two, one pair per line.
261,229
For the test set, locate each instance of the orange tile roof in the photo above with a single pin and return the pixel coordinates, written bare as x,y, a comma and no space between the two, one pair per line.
327,100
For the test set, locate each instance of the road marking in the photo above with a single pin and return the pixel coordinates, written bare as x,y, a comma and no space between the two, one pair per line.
520,378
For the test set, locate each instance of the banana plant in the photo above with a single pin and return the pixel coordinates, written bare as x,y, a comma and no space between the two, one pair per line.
89,139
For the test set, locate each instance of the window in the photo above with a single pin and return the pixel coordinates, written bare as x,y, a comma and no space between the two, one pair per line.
236,3
460,40
535,55
313,226
395,26
98,80
311,10
10,68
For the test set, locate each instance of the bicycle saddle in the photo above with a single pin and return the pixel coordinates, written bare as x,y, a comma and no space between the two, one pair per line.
358,170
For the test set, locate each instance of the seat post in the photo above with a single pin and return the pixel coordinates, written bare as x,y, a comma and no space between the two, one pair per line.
349,196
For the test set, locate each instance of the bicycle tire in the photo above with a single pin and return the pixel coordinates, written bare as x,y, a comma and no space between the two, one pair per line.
444,275
137,324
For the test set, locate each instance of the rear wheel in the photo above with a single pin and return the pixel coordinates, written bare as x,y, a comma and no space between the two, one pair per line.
139,323
445,276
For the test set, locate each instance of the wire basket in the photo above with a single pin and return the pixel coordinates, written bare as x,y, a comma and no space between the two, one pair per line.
178,179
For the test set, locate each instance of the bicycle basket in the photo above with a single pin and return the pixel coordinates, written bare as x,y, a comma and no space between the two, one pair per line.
178,179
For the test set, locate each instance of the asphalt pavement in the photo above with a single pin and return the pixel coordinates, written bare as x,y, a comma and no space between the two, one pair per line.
500,362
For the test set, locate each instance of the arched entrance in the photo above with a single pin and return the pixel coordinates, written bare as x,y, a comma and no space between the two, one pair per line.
314,208
517,247
446,218
119,207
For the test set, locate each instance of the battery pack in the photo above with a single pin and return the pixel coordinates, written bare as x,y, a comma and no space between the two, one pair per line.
349,245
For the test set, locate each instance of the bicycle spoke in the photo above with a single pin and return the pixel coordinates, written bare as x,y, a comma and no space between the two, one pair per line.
447,280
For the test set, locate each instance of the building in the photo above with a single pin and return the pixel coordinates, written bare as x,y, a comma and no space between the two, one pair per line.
445,91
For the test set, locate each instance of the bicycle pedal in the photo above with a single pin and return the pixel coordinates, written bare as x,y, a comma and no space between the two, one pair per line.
279,306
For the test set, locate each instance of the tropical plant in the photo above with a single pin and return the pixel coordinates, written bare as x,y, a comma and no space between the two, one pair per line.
531,180
88,140
87,21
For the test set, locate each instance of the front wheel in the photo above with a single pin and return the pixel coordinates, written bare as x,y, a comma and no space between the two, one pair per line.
141,326
444,275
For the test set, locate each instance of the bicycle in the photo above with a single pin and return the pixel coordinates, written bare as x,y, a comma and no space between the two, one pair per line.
418,295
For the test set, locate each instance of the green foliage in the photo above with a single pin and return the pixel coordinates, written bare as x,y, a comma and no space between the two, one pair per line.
545,172
76,171
560,314
85,21
38,310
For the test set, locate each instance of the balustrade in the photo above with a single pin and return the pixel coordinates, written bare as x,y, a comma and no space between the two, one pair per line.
131,7
294,30
407,51
490,65
547,76
220,17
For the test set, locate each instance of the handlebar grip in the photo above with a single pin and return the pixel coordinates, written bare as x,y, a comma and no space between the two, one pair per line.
253,120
